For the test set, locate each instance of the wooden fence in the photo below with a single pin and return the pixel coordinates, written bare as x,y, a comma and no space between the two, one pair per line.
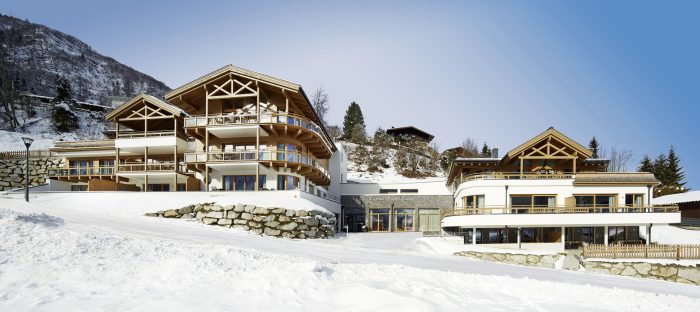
641,251
12,155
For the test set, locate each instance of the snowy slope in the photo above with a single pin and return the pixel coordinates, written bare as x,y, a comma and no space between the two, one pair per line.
55,256
358,172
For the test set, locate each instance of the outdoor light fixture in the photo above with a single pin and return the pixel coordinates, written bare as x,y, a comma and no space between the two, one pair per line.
27,142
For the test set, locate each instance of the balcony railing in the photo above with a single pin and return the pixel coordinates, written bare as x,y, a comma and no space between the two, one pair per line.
497,210
266,155
143,134
81,171
151,167
265,118
517,176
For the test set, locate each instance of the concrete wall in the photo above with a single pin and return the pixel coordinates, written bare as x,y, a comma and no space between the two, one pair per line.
12,171
338,167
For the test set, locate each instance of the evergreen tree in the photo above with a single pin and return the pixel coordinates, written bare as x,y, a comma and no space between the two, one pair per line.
354,124
594,146
379,153
646,165
674,171
63,91
485,151
660,168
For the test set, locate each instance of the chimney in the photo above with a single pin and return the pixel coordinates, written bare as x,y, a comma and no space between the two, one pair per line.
494,152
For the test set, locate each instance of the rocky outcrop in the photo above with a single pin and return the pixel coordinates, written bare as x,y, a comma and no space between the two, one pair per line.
12,171
278,222
545,261
667,272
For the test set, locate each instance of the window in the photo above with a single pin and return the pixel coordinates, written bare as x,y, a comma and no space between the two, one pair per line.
181,187
409,191
288,152
519,202
287,182
403,218
79,188
106,166
474,201
388,191
596,201
242,182
159,187
379,220
634,200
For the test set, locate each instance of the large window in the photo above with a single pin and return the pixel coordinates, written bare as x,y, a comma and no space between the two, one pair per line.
379,220
523,203
287,182
288,152
634,200
107,166
428,219
623,234
159,187
403,218
474,201
242,182
602,201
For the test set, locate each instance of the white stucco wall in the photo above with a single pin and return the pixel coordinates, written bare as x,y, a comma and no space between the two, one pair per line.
424,188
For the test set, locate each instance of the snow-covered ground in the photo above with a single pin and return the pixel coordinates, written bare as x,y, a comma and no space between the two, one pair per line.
666,234
57,255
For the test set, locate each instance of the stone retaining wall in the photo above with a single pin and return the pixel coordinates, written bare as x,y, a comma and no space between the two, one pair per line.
12,171
278,222
545,261
667,272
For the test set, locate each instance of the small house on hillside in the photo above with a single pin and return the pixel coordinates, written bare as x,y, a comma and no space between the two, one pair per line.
410,131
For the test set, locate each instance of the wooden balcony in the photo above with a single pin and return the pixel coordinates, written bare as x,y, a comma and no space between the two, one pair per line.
82,174
160,167
302,163
150,134
281,124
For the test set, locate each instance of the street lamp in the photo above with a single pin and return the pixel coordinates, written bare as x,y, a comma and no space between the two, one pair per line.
27,142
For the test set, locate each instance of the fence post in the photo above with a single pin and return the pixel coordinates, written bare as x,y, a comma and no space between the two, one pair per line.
678,252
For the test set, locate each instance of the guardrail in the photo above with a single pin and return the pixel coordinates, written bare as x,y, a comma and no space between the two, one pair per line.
150,167
81,171
677,252
248,155
517,176
143,134
13,155
557,210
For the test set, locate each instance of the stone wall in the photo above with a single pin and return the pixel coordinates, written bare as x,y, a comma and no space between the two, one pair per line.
667,272
545,261
278,222
12,171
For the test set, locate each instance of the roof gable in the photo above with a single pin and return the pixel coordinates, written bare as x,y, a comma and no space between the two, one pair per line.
141,99
549,134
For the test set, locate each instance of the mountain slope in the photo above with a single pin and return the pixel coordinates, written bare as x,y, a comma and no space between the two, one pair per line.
38,54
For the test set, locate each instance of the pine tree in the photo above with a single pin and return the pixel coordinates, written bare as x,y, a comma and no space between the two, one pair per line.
379,153
674,171
646,165
63,91
485,151
661,168
354,124
594,146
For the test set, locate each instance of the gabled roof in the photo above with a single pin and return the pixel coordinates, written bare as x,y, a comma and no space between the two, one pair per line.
236,70
150,99
427,136
582,150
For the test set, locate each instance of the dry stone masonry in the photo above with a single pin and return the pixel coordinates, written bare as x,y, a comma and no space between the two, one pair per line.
545,261
12,171
278,222
667,272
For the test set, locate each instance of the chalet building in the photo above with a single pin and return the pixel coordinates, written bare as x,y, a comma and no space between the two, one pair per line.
401,133
688,204
232,130
550,192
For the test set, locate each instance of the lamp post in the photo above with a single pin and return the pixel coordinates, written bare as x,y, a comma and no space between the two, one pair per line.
27,142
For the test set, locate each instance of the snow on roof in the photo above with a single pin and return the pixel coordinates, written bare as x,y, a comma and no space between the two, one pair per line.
677,198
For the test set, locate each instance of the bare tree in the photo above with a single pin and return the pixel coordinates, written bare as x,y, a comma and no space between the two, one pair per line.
619,159
319,100
470,148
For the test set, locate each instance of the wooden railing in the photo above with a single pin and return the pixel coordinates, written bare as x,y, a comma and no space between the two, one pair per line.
150,167
12,155
641,251
557,210
81,171
144,134
248,155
